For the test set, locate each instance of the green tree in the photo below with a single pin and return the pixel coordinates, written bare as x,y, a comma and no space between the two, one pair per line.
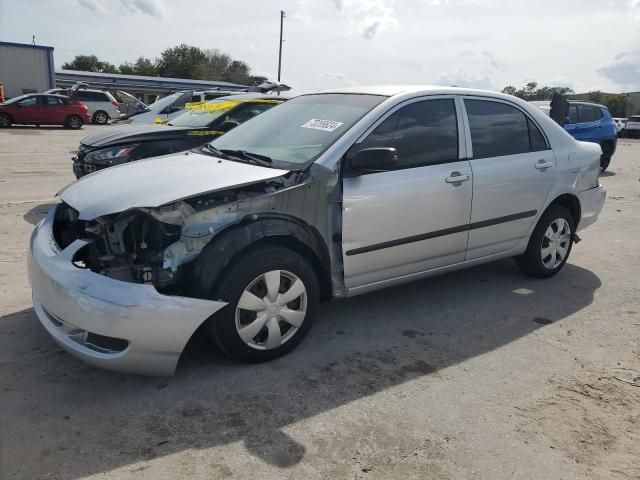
618,105
90,63
182,61
531,91
142,66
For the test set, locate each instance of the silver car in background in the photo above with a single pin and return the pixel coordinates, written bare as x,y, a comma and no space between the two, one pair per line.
326,196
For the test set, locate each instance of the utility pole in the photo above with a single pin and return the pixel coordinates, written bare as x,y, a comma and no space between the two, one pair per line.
282,15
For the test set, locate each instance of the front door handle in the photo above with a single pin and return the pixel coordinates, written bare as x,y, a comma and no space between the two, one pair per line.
456,178
542,165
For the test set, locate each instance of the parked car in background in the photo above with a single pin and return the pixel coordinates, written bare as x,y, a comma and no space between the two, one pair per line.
589,122
328,195
196,126
102,105
40,109
165,109
620,123
632,127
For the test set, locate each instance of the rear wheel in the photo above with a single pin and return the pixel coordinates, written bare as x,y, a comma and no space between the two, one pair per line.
100,117
73,121
273,296
605,158
550,244
5,120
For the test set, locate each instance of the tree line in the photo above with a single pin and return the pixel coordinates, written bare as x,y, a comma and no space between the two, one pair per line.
618,104
182,61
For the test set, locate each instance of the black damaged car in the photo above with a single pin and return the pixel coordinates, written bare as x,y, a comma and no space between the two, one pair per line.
197,126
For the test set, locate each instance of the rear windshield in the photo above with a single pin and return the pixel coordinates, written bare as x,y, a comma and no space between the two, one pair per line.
634,118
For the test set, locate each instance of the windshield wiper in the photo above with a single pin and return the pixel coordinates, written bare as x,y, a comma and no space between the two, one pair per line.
215,151
252,157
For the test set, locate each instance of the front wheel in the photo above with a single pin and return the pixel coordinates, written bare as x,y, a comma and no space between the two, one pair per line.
73,121
273,297
5,120
550,244
605,158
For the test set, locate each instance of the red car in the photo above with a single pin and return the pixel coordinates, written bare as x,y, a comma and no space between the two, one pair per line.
44,109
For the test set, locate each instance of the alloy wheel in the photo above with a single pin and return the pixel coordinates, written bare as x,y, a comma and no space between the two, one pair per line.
4,120
101,118
271,310
555,243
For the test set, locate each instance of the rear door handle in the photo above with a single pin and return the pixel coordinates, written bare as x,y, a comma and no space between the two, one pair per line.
542,165
457,178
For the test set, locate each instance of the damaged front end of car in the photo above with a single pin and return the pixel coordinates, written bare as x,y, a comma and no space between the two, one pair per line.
153,245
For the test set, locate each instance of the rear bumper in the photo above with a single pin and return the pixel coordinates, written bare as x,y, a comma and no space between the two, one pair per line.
109,323
591,204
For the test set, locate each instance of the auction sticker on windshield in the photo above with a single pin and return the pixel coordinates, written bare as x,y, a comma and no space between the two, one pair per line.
325,125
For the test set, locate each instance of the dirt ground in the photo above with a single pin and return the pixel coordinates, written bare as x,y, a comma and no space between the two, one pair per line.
480,374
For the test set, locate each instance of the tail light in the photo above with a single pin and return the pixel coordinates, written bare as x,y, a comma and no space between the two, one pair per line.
115,104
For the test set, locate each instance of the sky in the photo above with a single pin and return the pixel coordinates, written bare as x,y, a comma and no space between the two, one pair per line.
583,44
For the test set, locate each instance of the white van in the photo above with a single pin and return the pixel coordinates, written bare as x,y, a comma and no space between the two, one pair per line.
102,105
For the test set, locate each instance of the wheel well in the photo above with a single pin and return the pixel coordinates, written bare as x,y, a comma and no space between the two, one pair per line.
571,203
228,246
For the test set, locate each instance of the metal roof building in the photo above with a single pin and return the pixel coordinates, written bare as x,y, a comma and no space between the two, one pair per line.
25,68
141,86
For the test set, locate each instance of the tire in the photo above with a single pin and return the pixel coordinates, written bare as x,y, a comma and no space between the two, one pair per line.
100,117
5,120
533,261
605,158
247,278
73,121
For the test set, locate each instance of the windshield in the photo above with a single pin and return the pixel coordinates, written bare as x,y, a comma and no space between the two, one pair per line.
634,118
203,115
15,99
165,102
299,130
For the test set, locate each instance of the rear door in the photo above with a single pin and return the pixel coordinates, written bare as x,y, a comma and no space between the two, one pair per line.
414,218
513,172
585,122
53,110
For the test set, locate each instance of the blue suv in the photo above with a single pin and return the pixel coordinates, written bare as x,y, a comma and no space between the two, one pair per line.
589,122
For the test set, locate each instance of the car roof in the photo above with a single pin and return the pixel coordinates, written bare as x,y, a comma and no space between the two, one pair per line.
586,102
247,97
393,90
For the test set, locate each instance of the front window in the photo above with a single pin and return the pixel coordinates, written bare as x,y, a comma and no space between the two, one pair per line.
299,130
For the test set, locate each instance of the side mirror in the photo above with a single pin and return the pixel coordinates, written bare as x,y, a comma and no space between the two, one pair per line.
371,160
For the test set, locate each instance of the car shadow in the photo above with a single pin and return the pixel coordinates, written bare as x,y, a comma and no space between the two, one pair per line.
37,213
65,410
607,173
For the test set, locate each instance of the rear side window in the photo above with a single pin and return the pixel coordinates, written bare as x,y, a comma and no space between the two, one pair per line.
53,101
499,129
587,113
423,133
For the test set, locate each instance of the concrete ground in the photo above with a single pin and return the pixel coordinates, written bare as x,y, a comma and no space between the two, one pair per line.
480,374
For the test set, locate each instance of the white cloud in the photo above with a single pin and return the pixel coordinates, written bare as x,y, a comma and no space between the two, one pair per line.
462,78
152,8
625,70
368,17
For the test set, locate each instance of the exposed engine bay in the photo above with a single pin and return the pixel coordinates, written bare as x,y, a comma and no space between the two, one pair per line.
151,245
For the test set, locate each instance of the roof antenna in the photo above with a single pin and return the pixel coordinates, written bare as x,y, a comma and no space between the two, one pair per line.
33,39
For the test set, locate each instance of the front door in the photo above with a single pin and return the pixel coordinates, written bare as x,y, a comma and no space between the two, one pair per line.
28,110
513,172
413,218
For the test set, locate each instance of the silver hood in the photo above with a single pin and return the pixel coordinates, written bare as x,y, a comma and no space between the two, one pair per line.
157,181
